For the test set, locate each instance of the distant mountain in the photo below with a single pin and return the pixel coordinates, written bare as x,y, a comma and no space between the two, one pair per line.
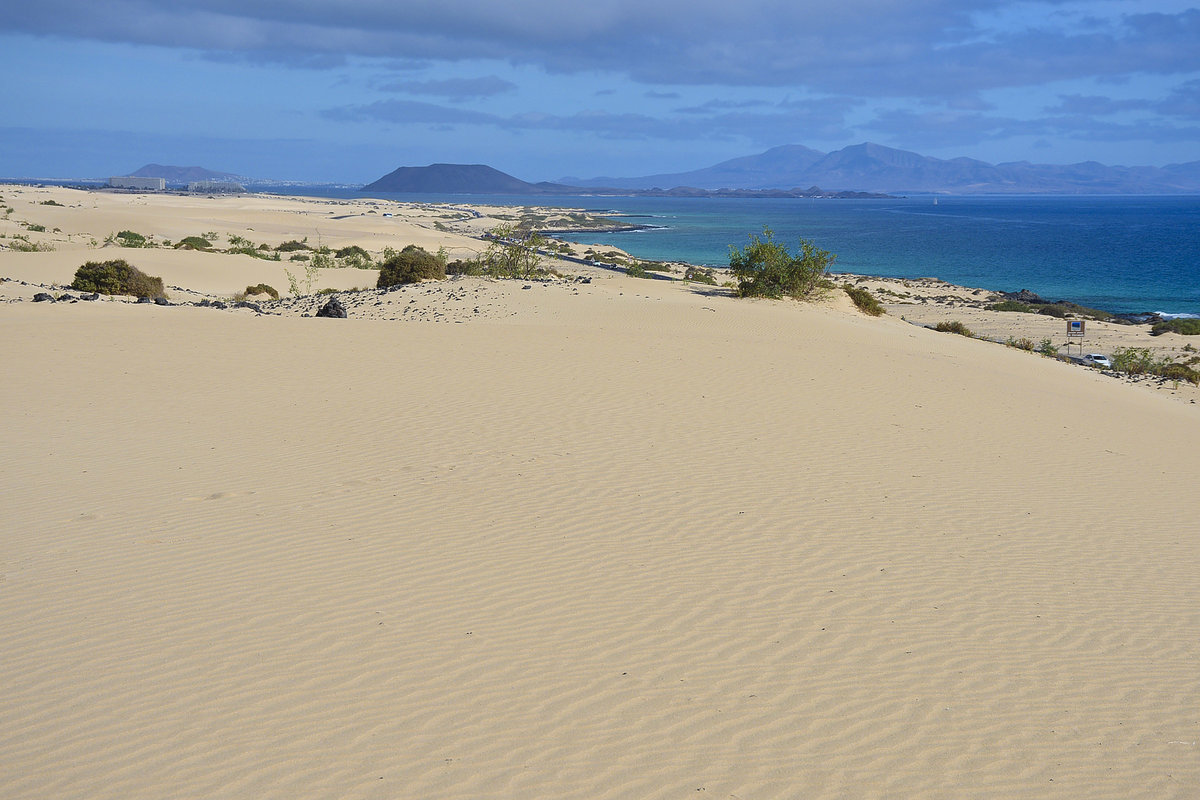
875,168
763,171
482,179
459,179
182,174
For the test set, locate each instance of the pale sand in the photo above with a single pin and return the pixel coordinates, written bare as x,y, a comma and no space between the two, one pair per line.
614,540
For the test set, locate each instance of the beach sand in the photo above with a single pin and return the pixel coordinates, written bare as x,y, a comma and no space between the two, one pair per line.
613,539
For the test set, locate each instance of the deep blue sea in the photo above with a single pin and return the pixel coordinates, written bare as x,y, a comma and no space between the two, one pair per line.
1121,254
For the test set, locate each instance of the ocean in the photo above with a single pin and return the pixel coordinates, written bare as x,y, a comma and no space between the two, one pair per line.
1121,254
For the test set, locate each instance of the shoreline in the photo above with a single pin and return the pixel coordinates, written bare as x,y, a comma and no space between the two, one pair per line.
461,231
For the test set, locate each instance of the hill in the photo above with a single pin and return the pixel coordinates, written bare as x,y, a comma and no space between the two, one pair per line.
875,168
459,179
174,174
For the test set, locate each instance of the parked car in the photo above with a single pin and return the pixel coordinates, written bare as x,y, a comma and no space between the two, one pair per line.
1098,359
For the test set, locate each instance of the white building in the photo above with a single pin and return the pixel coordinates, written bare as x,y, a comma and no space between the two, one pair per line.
130,182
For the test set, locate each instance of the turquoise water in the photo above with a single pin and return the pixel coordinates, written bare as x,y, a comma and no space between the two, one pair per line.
1122,254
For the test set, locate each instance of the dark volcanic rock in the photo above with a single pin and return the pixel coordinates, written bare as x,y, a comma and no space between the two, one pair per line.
43,297
1023,296
161,301
333,308
144,300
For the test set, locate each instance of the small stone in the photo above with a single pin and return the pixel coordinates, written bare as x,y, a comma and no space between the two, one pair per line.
43,297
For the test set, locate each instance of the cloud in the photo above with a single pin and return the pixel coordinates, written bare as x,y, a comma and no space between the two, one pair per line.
455,89
922,48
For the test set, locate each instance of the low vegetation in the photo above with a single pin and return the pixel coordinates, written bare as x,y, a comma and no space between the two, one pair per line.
700,275
129,239
1183,326
193,243
1012,305
116,277
1142,361
765,268
262,288
954,326
864,300
513,253
411,265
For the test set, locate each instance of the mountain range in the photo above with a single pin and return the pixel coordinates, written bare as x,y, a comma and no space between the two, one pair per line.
874,168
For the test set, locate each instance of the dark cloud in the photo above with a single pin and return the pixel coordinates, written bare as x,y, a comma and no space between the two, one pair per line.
821,119
863,47
1095,105
457,89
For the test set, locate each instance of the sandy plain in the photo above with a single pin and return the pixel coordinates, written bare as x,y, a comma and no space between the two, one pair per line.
611,539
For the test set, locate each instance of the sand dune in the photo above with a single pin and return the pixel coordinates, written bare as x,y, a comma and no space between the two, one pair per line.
610,540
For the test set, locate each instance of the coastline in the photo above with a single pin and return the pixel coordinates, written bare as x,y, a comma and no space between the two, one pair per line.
601,537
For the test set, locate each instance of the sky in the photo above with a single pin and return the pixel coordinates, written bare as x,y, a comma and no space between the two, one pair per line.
347,91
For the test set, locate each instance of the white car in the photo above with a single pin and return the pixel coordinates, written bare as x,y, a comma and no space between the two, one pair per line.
1098,359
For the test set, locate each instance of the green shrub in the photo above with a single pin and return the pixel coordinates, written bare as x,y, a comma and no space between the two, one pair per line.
1135,361
1054,310
193,243
262,288
468,267
513,253
636,270
1047,348
700,275
1180,372
292,245
116,277
1186,327
411,265
51,203
1012,305
35,227
131,239
954,327
765,268
1021,344
353,251
865,301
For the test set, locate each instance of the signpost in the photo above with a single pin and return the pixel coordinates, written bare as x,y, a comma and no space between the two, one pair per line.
1075,330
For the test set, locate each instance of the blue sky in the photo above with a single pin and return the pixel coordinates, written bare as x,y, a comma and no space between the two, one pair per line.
347,91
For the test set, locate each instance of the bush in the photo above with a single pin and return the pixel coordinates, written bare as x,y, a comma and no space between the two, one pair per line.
36,228
765,268
513,253
700,275
353,251
865,301
1135,360
193,243
1186,327
116,277
636,270
1021,344
51,203
1180,372
1012,305
131,239
954,327
411,265
1047,348
292,245
263,288
1054,310
460,267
